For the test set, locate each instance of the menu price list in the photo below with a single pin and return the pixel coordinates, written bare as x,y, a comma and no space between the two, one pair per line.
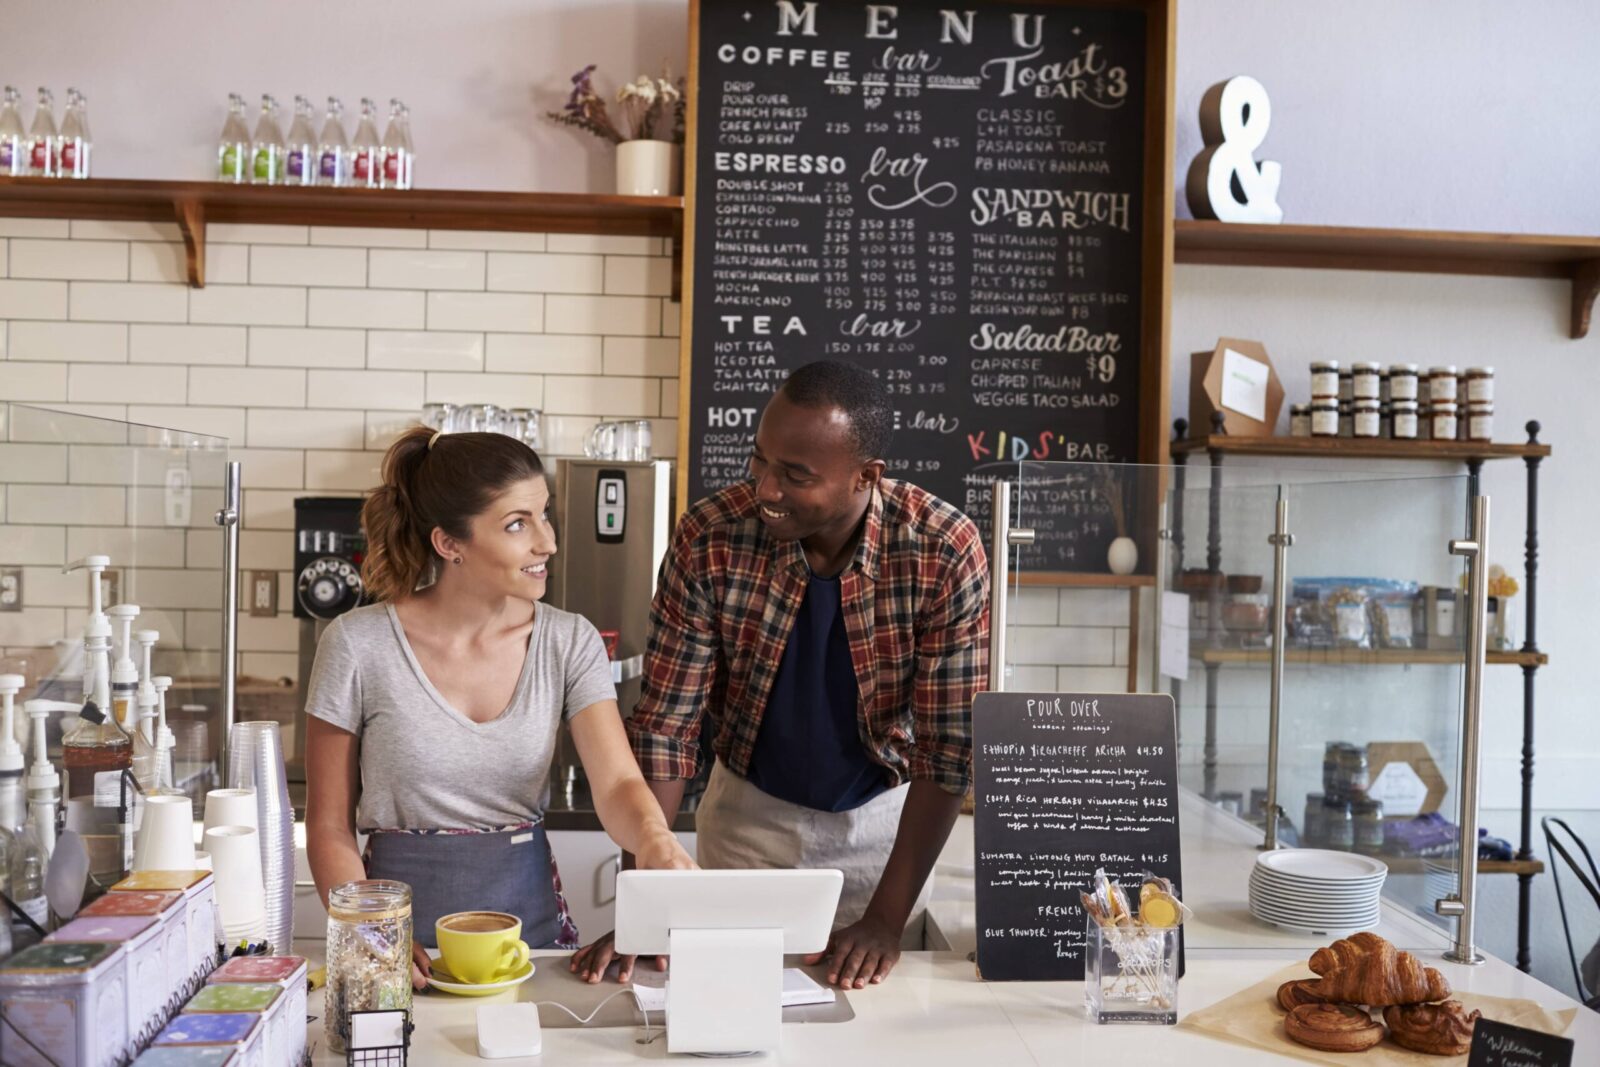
1065,785
948,197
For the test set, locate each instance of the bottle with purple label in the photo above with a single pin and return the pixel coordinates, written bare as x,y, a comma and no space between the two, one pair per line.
76,145
13,139
302,153
333,150
366,165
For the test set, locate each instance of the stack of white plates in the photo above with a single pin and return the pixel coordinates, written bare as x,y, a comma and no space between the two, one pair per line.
1315,891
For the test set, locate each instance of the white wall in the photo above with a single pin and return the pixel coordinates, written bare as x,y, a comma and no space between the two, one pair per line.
478,75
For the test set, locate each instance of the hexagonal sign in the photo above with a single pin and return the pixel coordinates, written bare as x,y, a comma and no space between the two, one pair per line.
1236,378
1405,778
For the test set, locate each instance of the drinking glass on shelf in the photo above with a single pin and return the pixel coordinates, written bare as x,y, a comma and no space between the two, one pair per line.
438,416
640,452
603,440
531,420
513,423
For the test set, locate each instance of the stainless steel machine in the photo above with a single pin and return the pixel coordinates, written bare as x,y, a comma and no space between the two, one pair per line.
613,526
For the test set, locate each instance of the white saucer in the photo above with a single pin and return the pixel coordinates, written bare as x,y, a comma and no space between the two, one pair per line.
445,982
1322,865
1322,930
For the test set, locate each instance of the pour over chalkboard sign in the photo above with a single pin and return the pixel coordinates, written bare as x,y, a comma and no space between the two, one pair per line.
1066,783
1503,1045
971,200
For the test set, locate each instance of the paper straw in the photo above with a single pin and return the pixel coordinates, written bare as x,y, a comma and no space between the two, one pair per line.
166,835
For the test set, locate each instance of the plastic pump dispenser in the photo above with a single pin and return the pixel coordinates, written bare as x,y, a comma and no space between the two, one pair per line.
43,783
96,566
146,702
165,741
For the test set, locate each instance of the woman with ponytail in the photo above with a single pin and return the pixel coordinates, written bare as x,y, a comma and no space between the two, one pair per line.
432,714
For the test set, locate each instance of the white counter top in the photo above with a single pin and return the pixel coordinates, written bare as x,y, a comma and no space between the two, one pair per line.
934,1011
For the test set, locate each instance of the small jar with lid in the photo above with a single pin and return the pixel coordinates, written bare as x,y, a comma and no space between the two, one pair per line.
1480,420
1442,384
1480,385
1403,420
1299,420
1369,830
1403,381
1365,381
1347,418
1442,418
1364,418
1313,829
1324,417
1325,378
1347,383
1338,825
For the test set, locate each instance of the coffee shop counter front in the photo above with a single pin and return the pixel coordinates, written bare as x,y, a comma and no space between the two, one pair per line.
933,1010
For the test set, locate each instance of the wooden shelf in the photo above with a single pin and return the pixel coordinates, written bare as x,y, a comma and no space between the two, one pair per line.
1066,580
1339,657
1411,251
1414,865
1356,448
191,205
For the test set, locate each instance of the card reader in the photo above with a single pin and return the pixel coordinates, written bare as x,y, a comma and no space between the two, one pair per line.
509,1030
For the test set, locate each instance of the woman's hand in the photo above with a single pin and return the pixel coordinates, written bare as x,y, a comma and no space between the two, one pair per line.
421,966
662,852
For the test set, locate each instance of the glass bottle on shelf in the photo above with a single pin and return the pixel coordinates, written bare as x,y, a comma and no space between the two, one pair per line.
233,148
13,138
393,150
333,161
366,168
410,157
44,160
302,155
266,147
76,144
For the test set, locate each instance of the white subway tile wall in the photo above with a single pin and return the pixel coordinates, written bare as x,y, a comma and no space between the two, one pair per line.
310,348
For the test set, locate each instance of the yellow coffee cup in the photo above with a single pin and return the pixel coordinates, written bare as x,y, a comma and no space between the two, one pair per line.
479,947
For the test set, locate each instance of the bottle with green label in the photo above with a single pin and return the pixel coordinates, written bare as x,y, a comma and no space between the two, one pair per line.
268,164
234,146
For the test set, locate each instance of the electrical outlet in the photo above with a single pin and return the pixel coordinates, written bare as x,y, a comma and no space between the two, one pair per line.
264,593
110,587
11,589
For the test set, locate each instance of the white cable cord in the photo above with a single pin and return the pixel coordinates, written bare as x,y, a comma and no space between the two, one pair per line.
584,1020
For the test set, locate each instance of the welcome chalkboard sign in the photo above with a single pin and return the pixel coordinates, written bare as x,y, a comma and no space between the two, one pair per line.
1066,784
1503,1045
971,200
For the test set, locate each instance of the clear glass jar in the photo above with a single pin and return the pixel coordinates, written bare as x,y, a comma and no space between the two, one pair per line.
1314,830
1324,417
1365,381
1364,418
1403,381
1347,418
1480,420
1130,974
1443,420
369,953
1369,832
1347,384
1325,379
1338,825
1442,384
1480,385
1299,420
1403,420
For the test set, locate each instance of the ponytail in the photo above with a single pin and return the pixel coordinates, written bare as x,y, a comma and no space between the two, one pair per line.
433,481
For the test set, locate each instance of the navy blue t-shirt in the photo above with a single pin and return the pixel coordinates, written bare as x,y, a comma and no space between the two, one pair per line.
809,749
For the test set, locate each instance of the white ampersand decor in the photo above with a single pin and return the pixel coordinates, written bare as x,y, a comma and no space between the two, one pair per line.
1225,182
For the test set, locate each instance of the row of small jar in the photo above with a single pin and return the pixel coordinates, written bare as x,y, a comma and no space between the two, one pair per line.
1401,381
1401,420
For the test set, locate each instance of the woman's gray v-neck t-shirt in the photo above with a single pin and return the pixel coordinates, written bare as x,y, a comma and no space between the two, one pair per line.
425,765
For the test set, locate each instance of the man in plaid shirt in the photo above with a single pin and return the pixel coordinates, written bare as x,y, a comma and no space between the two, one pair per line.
827,628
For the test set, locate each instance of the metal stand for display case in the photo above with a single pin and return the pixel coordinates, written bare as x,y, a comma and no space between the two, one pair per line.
1472,454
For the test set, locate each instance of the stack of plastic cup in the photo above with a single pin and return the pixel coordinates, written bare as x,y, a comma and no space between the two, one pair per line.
255,760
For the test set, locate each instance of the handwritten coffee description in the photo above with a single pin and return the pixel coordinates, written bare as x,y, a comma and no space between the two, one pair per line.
1065,785
949,197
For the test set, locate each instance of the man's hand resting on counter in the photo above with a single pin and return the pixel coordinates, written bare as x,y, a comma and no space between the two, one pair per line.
865,951
661,853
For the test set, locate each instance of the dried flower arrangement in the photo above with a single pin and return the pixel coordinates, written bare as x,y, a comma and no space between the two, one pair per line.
650,109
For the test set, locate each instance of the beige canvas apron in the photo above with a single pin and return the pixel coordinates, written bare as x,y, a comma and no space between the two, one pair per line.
739,826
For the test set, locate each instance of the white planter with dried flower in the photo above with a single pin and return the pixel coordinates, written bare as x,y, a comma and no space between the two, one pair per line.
648,131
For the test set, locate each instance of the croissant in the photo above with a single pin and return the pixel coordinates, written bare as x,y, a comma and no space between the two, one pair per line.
1366,969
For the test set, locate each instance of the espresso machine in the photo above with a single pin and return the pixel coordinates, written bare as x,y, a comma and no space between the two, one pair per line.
613,526
328,549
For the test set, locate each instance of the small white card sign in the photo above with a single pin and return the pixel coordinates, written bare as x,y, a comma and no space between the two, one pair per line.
1175,635
1401,789
1244,384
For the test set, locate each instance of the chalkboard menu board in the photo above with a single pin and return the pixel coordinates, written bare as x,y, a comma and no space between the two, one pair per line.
1066,784
1503,1045
968,200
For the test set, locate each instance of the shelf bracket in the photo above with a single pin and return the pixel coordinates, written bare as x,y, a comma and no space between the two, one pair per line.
1585,286
192,223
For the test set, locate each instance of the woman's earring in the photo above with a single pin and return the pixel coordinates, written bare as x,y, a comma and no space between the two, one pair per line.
457,559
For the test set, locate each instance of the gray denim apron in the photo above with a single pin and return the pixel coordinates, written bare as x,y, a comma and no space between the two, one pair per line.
450,871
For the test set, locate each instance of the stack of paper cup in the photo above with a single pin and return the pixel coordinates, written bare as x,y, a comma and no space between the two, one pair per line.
166,835
241,896
231,807
255,759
